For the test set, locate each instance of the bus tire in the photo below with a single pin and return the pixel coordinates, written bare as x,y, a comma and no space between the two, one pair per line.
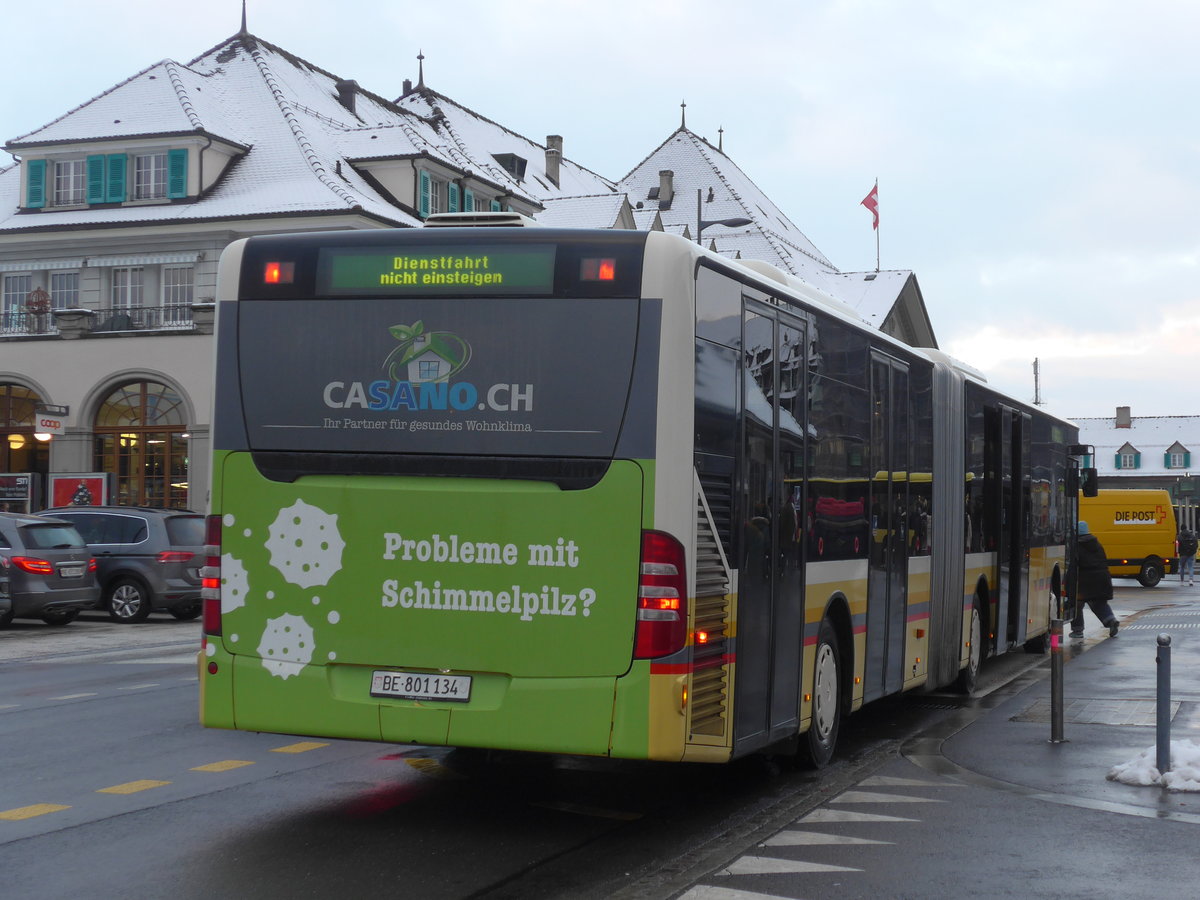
818,743
968,677
1152,573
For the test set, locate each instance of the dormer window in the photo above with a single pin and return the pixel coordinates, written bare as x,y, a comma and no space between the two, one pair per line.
514,165
436,195
105,178
150,176
1177,456
1128,457
70,182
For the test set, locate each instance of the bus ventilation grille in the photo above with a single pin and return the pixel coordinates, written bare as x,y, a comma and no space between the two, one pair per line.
709,694
718,491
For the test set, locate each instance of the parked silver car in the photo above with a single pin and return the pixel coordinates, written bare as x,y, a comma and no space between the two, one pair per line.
50,570
149,558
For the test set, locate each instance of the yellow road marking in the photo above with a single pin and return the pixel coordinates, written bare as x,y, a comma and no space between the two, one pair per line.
132,787
302,747
28,812
223,766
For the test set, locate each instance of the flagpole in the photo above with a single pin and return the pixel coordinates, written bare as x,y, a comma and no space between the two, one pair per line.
877,226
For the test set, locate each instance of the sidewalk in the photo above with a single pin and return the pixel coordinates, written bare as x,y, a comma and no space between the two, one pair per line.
1109,709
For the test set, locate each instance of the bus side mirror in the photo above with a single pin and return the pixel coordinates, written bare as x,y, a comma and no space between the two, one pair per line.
1089,483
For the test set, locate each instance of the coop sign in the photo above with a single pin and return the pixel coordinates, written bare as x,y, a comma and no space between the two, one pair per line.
50,419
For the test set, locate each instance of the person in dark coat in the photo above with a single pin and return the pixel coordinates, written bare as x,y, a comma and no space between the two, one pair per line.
1094,586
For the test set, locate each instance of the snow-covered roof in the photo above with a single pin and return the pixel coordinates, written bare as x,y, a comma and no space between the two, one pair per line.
600,211
696,165
476,140
1151,436
250,94
871,294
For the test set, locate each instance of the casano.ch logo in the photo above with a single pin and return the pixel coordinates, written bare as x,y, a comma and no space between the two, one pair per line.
418,371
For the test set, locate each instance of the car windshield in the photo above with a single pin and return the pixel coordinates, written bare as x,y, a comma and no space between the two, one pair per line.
186,531
51,537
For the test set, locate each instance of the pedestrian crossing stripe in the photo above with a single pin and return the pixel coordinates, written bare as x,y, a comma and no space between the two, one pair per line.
766,865
845,815
873,797
888,781
711,892
813,839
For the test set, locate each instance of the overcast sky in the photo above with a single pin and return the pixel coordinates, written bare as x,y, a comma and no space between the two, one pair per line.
1038,162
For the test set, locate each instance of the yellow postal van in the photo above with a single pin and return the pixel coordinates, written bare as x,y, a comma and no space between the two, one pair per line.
1137,530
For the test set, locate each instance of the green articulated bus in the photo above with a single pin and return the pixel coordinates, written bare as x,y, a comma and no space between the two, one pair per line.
598,492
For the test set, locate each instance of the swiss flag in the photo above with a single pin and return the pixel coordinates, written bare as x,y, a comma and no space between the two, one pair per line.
871,202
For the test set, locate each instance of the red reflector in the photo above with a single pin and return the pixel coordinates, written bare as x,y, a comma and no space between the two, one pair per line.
279,273
597,269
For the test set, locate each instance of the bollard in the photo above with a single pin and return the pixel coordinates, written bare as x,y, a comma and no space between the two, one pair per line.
1163,715
1056,681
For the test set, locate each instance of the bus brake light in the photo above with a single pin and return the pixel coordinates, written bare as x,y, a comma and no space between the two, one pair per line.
662,591
279,273
598,269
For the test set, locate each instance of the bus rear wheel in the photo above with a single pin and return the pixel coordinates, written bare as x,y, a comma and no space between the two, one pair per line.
818,743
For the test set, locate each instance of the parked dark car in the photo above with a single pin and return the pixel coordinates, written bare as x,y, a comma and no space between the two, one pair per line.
50,571
149,559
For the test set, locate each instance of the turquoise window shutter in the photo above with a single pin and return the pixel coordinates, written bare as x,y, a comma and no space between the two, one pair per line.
1187,459
95,179
496,206
452,199
115,190
177,162
1167,459
35,183
1137,460
468,200
423,196
1117,464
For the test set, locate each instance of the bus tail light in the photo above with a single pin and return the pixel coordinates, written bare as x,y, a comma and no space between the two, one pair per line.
662,597
210,576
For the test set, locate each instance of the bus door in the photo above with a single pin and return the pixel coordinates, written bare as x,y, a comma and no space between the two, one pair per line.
1016,428
887,584
770,615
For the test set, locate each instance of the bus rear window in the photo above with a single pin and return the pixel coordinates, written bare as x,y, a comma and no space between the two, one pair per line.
461,376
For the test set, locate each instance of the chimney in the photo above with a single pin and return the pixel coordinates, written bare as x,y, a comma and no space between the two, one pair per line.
554,144
666,188
407,87
1124,419
346,91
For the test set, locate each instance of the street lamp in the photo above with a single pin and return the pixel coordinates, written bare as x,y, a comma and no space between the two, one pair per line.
702,223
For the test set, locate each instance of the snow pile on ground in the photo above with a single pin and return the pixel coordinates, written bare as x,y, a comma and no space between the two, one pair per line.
1184,773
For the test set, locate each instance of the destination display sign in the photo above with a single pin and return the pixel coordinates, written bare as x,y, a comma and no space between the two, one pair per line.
459,269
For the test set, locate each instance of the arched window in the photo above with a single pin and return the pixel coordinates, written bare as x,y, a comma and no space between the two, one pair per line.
19,450
141,435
